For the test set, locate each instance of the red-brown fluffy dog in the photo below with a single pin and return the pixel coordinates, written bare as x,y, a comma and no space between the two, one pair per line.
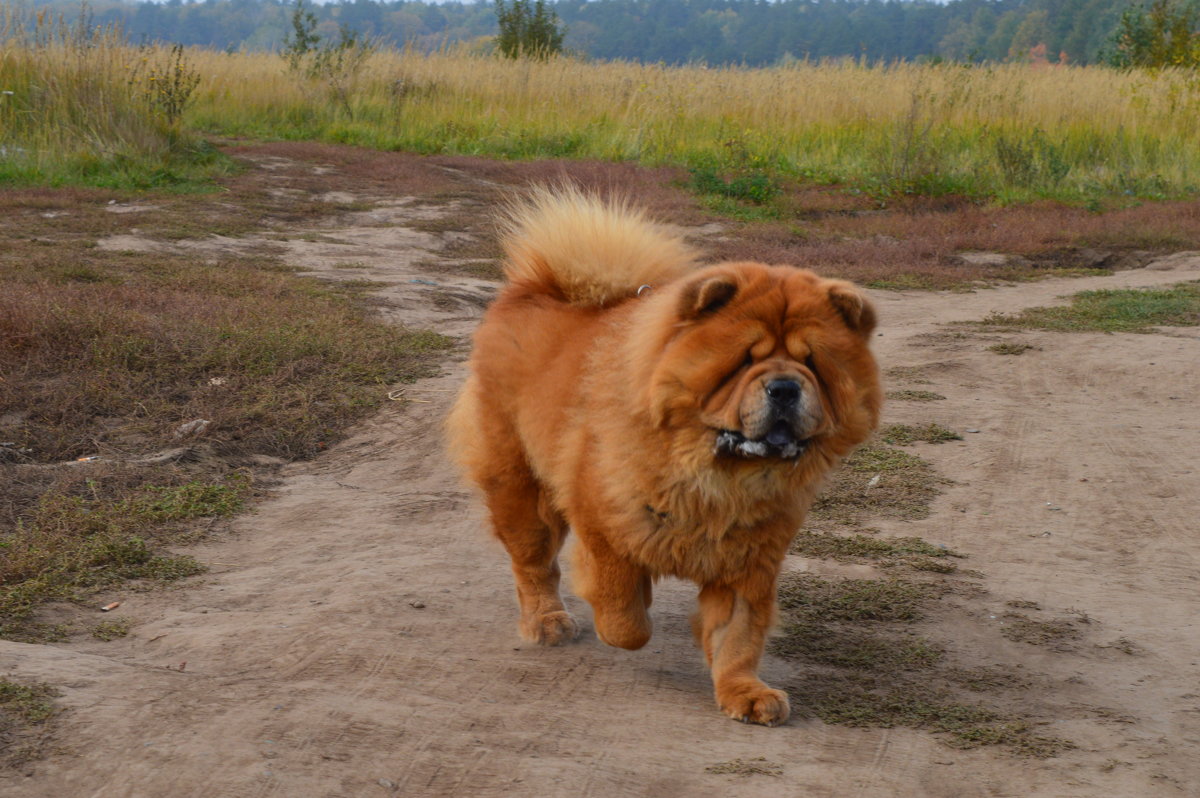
678,419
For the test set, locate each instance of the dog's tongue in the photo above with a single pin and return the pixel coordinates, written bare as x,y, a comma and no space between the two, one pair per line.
780,434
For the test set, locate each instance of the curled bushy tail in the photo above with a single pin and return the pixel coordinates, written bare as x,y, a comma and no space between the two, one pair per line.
562,241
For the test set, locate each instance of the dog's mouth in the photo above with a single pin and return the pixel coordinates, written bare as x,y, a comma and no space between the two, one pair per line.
779,442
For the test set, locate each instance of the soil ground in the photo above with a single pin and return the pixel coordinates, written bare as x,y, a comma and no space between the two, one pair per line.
356,634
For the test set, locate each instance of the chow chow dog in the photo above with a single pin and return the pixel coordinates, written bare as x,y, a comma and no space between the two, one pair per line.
677,418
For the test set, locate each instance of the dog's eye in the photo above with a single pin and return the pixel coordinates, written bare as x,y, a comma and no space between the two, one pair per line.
748,361
810,364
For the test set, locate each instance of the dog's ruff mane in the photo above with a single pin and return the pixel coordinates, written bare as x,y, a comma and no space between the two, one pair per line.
592,252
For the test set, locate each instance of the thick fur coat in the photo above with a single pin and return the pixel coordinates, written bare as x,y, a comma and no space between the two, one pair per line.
678,419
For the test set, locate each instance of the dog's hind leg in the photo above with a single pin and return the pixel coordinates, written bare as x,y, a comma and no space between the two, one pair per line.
619,591
533,532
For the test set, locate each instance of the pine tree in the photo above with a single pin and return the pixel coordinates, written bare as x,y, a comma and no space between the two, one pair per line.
1165,34
528,31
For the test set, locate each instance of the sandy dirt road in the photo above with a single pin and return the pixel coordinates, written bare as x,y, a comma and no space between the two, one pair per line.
356,635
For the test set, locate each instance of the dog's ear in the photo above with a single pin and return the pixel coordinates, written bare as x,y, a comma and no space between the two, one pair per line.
707,295
856,310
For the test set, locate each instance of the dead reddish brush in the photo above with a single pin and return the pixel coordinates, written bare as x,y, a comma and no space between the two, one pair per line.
892,263
808,202
43,198
1031,230
915,243
447,177
657,189
896,249
117,357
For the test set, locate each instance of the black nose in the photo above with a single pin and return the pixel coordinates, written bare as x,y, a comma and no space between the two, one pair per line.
784,392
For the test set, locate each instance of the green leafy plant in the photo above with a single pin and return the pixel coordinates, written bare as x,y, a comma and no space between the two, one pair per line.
167,85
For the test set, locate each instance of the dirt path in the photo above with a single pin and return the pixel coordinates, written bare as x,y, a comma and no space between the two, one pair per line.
356,635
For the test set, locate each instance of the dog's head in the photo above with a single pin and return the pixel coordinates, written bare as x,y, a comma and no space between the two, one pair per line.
769,363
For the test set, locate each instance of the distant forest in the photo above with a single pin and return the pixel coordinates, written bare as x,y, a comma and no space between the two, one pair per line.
751,32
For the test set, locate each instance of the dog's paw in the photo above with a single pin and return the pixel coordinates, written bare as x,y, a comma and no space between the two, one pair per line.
755,704
550,629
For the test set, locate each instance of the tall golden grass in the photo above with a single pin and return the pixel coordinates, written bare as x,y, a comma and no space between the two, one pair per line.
1012,131
78,102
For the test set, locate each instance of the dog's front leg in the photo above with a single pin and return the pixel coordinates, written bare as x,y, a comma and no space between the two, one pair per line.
731,626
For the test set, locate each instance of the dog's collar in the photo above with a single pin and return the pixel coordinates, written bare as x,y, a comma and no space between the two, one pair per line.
643,289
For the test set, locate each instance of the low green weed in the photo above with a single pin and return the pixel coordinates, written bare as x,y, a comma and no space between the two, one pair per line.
25,709
914,396
907,434
1112,310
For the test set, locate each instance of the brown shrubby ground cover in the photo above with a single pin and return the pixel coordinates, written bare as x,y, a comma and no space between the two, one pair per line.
140,391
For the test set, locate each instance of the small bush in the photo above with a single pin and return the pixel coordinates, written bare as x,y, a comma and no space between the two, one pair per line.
166,84
1030,159
754,186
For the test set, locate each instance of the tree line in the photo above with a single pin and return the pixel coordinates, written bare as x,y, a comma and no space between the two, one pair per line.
751,32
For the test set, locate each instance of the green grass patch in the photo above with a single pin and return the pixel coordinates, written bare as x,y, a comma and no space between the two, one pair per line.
81,534
755,766
877,480
905,282
886,552
185,171
854,599
28,703
25,709
912,374
868,666
866,700
1010,348
907,434
1113,310
753,185
842,646
1023,629
111,630
914,396
193,500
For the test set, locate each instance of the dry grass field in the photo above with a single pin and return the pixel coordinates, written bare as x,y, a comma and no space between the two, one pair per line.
83,105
